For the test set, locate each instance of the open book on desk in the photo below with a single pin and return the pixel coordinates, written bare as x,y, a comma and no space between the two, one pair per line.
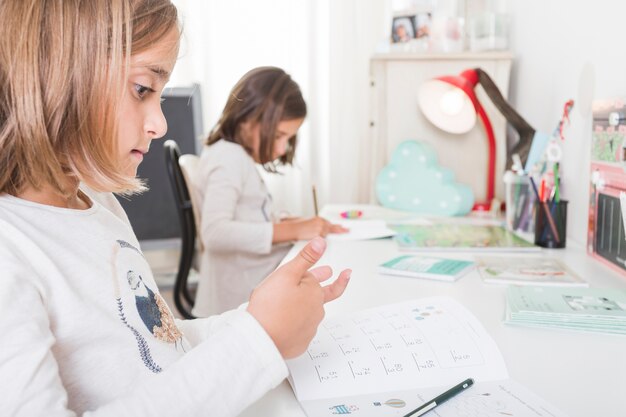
389,360
458,237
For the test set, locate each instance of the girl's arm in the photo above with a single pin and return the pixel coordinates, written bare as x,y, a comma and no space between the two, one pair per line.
234,366
304,229
221,183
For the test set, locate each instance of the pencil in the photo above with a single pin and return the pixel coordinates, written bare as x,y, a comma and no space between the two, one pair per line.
543,205
551,223
429,405
315,202
557,181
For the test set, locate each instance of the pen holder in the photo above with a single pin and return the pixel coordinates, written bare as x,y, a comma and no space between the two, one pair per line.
551,224
520,204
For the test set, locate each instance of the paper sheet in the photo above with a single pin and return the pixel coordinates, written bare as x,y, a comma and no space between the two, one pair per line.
362,230
423,343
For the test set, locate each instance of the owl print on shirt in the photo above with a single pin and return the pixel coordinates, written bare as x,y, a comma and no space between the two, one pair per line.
146,308
153,310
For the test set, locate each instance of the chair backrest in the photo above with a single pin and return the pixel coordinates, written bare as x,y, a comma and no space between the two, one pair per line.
189,163
183,300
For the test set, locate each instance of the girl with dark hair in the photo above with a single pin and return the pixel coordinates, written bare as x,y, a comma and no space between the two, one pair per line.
243,239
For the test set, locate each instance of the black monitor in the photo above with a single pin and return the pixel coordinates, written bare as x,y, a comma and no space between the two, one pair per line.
153,214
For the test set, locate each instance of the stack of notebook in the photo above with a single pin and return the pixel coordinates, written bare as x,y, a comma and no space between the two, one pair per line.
585,309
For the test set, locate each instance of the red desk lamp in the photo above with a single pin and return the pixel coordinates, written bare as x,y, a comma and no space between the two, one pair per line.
451,104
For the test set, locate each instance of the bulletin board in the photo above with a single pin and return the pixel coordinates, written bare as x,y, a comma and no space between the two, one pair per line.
606,238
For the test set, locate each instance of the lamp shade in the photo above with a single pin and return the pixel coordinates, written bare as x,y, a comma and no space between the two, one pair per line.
449,102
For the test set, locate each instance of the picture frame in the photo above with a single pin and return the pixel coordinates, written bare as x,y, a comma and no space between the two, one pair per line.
403,28
422,25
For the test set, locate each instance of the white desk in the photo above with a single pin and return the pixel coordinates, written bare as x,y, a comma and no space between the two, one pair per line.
583,374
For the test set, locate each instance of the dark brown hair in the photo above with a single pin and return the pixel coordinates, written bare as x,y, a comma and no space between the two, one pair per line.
266,95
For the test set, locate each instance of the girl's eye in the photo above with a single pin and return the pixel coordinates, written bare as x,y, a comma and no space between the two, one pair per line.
141,90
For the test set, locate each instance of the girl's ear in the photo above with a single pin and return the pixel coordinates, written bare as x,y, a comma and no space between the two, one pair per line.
245,129
249,132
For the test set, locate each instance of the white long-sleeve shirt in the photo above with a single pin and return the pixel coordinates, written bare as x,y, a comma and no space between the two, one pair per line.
84,331
236,228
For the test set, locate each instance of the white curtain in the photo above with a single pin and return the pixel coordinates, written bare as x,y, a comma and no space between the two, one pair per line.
325,45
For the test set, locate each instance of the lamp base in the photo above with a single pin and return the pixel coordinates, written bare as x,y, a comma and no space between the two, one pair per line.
494,206
486,206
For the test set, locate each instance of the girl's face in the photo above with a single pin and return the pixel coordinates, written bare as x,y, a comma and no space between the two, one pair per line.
284,131
140,117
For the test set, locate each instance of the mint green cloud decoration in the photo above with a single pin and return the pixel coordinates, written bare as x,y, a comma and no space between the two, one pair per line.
413,181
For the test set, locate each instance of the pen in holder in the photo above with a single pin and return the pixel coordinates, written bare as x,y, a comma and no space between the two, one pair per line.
520,204
551,224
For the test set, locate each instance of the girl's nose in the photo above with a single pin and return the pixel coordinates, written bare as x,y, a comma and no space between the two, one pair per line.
282,147
156,125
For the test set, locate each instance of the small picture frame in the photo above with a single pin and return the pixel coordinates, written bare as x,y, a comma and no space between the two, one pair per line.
403,29
422,25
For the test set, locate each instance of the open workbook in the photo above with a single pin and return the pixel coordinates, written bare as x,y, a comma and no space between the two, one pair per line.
459,237
389,360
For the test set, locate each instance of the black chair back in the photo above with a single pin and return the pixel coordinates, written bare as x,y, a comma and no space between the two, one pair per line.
183,298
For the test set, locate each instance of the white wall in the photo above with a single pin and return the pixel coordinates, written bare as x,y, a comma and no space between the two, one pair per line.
567,49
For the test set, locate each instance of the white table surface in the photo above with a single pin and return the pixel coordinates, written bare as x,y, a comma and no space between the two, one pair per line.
583,374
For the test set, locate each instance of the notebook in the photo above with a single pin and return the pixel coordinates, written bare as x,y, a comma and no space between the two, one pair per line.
527,270
600,310
440,269
389,360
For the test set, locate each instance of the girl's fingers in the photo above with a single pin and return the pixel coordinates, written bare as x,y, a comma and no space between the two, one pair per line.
305,259
337,228
322,273
337,288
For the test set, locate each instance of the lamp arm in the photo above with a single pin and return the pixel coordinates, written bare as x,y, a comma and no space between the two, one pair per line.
525,131
491,163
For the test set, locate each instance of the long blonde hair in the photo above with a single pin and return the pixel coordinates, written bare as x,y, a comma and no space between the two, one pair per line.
63,68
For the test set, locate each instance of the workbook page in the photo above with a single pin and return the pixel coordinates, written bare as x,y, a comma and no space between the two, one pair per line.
484,399
430,342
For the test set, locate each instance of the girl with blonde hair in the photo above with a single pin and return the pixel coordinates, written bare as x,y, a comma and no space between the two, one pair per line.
84,328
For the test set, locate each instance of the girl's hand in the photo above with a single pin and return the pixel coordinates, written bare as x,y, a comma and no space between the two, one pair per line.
316,226
289,303
304,229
